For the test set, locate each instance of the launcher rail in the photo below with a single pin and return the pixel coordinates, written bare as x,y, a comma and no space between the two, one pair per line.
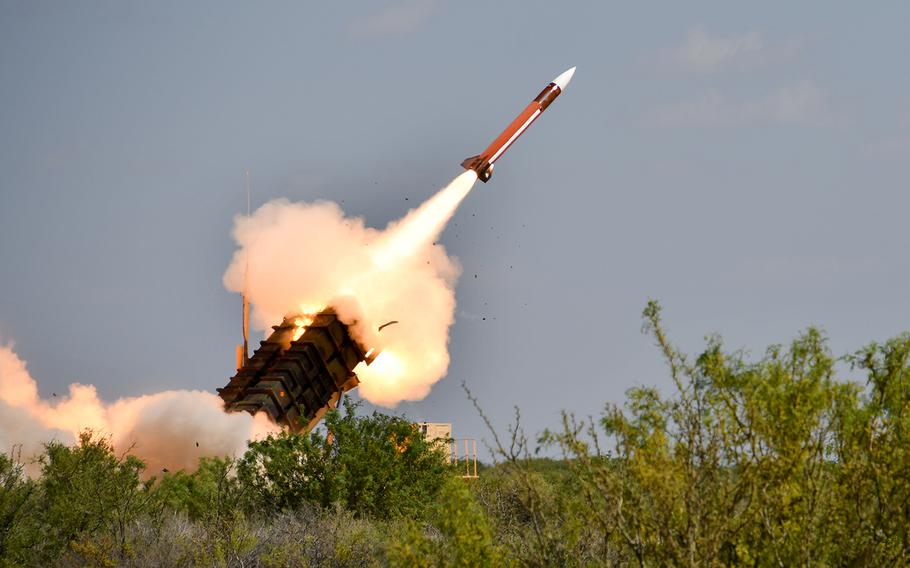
297,381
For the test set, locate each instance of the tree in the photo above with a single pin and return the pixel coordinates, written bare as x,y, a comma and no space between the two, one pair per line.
745,462
377,466
872,518
17,503
464,537
88,496
209,493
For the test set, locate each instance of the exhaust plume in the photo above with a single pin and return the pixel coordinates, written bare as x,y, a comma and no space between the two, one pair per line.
162,429
304,257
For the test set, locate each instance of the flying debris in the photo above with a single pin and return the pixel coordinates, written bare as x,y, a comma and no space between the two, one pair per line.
387,324
483,162
299,372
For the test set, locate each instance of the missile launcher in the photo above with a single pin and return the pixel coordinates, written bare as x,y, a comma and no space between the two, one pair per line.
296,377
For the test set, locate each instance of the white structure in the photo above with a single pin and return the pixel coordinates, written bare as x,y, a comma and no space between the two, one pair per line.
463,450
433,431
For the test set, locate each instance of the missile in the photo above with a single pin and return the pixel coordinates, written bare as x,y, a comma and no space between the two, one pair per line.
483,162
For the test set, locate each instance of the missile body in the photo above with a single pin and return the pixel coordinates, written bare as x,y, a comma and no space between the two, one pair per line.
483,162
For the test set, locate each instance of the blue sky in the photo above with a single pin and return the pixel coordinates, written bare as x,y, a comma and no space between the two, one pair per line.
745,165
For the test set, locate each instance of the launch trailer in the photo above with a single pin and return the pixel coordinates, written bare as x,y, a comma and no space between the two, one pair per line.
297,380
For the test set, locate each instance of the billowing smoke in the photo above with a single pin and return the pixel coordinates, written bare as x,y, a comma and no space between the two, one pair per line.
170,429
302,257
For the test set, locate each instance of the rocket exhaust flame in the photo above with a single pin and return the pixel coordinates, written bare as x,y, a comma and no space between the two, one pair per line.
423,224
294,259
302,258
312,254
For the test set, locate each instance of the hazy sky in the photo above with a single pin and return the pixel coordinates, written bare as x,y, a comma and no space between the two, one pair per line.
745,165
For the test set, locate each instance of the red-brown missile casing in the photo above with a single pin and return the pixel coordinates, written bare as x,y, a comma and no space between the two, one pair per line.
483,162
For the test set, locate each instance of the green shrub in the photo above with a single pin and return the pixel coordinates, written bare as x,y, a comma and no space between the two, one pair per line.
745,461
459,534
374,466
17,505
85,501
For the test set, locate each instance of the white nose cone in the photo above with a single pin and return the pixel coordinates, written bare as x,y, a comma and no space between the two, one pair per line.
564,79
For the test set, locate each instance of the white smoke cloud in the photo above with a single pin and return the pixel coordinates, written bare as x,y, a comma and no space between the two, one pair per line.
162,429
703,53
302,257
798,104
395,19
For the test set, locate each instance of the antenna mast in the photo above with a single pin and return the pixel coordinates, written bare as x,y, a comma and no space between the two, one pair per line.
243,350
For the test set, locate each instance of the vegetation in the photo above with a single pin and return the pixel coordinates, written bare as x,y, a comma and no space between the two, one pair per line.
768,462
